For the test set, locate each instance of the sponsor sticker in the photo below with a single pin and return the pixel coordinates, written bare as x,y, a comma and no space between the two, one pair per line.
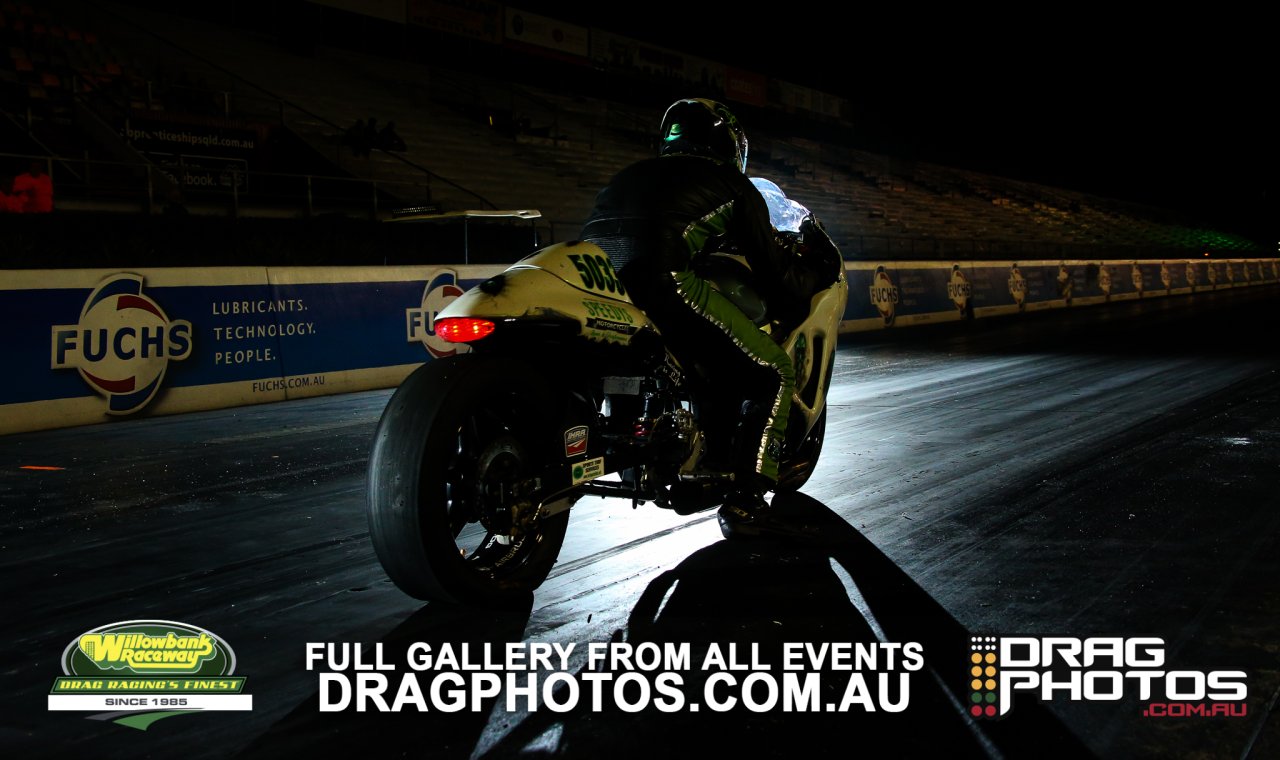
575,441
588,470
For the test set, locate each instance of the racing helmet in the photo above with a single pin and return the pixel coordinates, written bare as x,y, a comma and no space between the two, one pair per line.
704,127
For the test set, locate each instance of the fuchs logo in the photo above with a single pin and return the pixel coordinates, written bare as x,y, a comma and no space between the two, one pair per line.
575,441
1064,283
123,343
1017,287
1101,669
1192,275
958,289
884,294
1135,273
1166,276
421,322
139,671
1104,280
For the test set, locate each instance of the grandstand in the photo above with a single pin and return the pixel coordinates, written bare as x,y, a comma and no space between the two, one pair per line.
141,111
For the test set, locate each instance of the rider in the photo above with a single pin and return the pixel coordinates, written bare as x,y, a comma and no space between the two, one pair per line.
654,219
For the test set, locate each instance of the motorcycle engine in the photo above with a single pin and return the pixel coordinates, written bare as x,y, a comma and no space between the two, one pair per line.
678,439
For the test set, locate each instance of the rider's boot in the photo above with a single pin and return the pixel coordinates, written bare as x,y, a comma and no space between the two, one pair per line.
746,515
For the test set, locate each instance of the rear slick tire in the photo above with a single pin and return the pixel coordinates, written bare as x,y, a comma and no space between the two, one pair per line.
456,432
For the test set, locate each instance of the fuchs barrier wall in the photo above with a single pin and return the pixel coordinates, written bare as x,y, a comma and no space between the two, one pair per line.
92,345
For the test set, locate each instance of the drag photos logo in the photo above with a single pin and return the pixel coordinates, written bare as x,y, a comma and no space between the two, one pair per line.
420,323
139,671
1103,669
122,344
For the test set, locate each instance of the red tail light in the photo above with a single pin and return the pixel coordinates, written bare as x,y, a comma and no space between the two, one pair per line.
463,329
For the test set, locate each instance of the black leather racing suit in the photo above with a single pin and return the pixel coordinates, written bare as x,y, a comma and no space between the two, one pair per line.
654,219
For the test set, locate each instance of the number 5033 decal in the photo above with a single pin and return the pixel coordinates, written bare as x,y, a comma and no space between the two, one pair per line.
597,273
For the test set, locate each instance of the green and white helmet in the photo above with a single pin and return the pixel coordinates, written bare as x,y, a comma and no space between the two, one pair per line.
704,127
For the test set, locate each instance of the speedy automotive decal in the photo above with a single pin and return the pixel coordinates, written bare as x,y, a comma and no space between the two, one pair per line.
884,295
597,273
575,441
606,321
122,344
420,323
139,671
587,470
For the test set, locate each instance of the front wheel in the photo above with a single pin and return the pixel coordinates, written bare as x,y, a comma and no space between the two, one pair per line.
452,482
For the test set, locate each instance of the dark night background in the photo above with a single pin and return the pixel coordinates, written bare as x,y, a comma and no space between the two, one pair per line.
1163,109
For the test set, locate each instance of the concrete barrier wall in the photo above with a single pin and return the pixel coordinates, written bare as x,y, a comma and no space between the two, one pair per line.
907,293
95,345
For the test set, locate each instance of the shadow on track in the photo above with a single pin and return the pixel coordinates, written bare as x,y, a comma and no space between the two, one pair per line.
764,594
755,596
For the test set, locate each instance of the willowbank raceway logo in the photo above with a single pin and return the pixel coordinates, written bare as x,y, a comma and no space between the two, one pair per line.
420,323
1101,669
884,294
122,344
139,671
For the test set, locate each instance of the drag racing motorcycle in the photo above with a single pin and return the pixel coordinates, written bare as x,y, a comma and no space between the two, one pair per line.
568,390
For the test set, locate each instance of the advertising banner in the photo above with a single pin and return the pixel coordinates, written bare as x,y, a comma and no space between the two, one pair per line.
97,344
547,34
900,293
473,19
92,345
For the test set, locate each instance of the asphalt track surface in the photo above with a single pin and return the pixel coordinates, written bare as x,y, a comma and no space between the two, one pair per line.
1105,472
